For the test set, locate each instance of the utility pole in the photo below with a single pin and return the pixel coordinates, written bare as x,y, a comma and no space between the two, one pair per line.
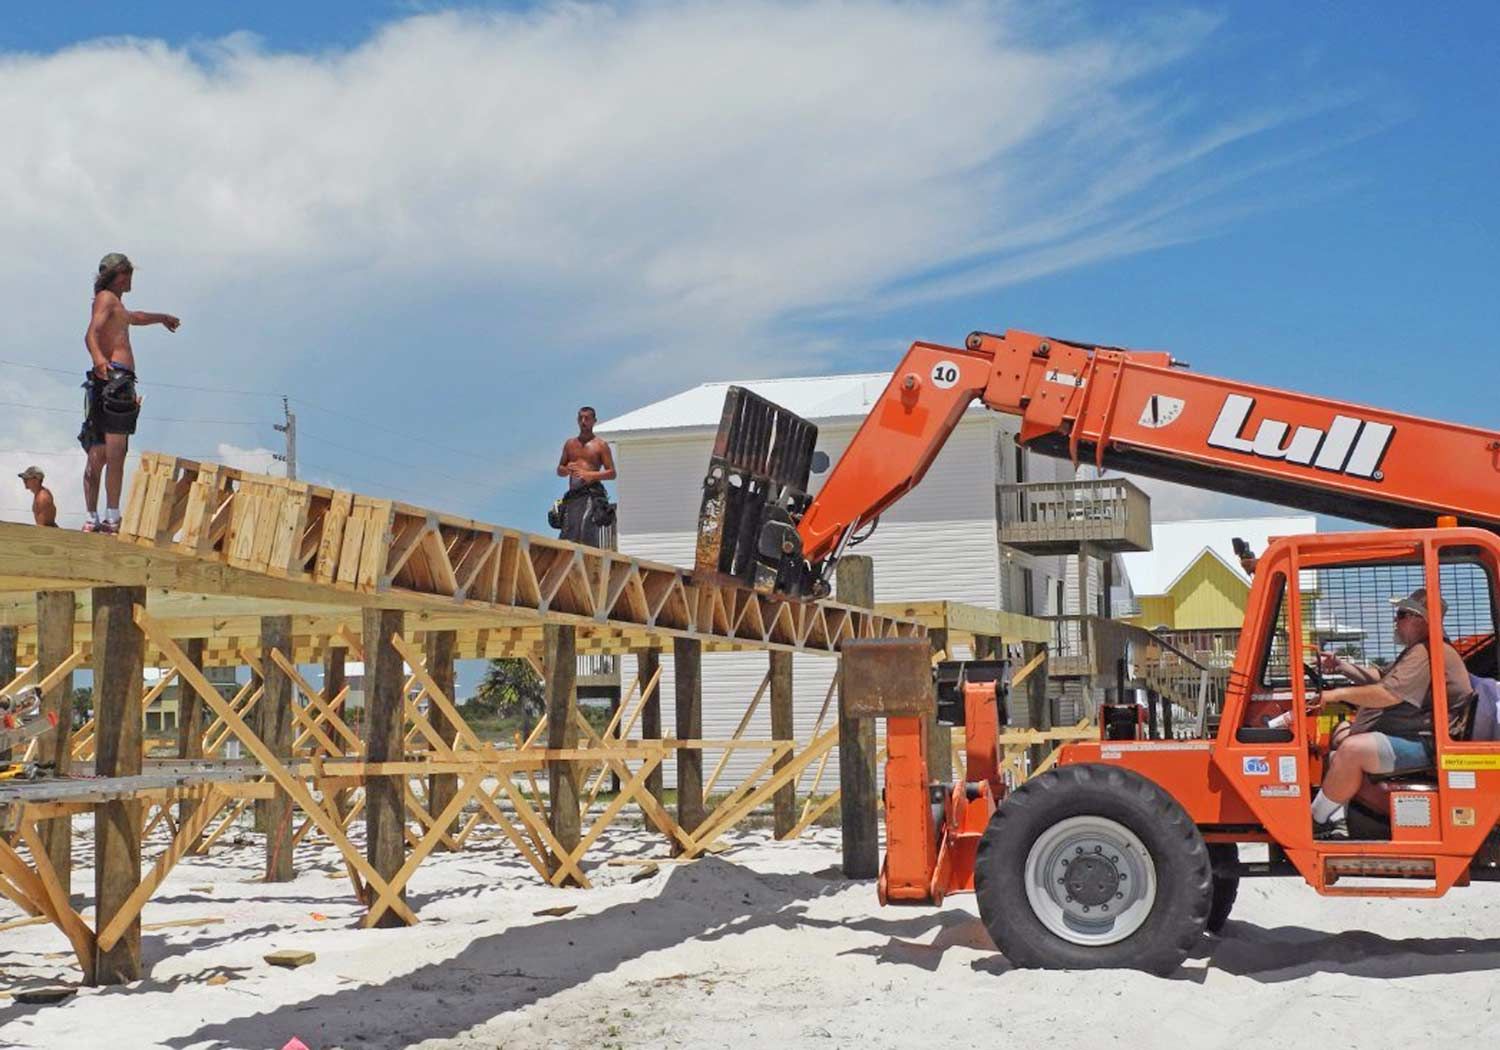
289,428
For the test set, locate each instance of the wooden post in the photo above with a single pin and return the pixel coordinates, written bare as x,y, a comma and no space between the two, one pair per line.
276,726
560,654
441,787
1038,709
614,716
55,611
647,666
939,738
859,801
687,671
333,682
119,661
783,727
189,720
385,718
8,638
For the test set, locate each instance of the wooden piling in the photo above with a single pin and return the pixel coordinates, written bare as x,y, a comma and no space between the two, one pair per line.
648,666
687,671
55,612
560,649
119,661
276,731
441,787
385,717
783,727
859,801
189,720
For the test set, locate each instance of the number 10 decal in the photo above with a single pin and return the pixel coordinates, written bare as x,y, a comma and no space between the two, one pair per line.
945,375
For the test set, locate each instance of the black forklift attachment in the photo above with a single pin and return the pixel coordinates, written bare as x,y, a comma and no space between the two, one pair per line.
754,494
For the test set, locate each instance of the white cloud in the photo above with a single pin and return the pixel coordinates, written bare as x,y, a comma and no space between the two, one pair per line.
255,460
457,225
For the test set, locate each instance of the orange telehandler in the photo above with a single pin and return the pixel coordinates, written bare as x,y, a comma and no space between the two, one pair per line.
1128,848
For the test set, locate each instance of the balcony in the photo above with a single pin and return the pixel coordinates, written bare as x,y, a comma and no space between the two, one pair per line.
1054,517
598,676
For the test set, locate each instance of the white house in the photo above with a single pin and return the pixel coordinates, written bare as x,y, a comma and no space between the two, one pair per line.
940,542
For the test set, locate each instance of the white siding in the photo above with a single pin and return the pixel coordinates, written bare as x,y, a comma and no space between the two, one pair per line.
729,683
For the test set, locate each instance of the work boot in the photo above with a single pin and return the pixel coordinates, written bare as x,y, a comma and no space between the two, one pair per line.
1335,829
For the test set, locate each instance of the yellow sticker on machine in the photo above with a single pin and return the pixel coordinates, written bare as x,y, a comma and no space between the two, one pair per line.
1489,761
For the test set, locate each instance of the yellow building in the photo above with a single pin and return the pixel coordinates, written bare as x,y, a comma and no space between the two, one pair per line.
1191,580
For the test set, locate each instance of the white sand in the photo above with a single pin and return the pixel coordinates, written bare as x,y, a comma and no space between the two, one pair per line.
762,947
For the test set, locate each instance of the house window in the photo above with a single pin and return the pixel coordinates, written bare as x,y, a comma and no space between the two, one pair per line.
1028,597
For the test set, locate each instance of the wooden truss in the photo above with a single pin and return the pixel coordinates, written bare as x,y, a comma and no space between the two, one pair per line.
346,543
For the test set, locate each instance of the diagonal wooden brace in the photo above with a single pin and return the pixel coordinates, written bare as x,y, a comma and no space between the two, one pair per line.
272,765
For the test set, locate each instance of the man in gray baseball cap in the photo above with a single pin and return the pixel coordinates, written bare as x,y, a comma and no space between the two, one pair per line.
1392,728
43,507
111,405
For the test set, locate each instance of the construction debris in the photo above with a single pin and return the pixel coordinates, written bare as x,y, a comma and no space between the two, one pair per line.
290,958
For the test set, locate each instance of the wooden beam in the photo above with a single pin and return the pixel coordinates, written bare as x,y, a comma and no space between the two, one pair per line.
276,731
859,796
119,659
441,787
561,669
385,718
189,722
687,684
55,648
648,670
783,727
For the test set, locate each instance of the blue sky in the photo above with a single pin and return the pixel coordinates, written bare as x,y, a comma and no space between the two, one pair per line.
1323,217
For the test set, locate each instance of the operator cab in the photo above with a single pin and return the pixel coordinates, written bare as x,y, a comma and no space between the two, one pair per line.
1327,598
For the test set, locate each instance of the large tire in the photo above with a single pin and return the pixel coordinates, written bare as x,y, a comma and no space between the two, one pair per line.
1082,829
1226,887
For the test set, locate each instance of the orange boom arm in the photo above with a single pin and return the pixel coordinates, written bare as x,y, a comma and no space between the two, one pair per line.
1144,413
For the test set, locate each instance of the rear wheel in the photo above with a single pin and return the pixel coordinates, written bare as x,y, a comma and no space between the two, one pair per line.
1093,866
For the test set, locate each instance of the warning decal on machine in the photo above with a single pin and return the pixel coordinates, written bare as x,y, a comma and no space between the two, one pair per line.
1471,761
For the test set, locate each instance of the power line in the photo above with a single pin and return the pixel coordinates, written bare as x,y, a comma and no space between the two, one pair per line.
154,382
364,421
408,466
372,425
157,419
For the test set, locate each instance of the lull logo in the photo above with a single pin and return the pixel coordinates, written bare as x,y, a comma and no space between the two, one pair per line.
1348,446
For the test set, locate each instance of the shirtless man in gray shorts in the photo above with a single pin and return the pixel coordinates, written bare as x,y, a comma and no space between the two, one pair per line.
111,405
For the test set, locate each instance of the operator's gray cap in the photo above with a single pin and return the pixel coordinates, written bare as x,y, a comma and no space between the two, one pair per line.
31,472
1416,602
115,261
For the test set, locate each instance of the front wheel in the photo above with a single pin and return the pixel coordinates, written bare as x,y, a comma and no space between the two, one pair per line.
1092,866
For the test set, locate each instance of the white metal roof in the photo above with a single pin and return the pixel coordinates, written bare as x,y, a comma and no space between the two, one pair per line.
811,397
1178,544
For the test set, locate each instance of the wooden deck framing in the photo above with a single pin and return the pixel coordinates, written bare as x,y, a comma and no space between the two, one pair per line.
220,567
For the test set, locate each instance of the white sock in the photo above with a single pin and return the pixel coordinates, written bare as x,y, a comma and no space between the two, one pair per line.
112,515
1325,809
93,517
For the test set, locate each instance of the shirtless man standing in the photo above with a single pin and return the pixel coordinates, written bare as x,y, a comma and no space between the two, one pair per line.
111,406
587,463
43,507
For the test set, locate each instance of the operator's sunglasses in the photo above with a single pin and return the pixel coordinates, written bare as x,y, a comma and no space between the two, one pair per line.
1402,614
